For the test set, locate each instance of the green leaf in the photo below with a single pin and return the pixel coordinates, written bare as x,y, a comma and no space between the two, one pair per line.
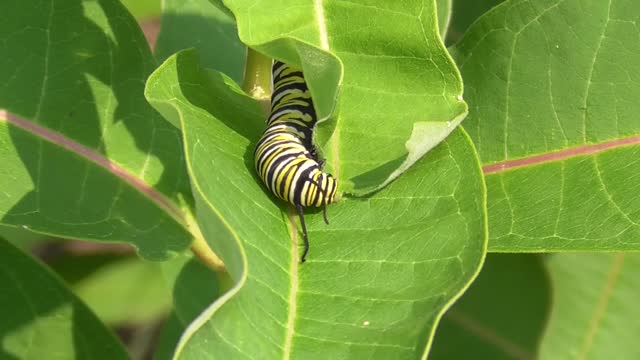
376,280
186,273
397,84
22,238
143,9
205,27
463,14
444,16
129,291
502,315
84,156
194,275
195,287
554,117
74,265
45,320
595,301
169,337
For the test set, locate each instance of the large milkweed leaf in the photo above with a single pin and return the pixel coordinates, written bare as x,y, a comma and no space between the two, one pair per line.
376,280
502,315
83,155
553,86
399,91
595,303
46,321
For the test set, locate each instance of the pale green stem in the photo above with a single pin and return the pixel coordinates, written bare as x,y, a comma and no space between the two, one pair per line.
199,246
257,76
202,251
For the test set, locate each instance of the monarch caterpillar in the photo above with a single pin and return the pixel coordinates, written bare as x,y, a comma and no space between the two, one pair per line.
285,157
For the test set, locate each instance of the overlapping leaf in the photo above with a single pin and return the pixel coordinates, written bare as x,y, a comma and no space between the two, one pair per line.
195,287
128,291
552,86
185,274
400,94
23,239
46,321
595,307
463,14
503,314
201,25
146,9
377,278
443,8
84,156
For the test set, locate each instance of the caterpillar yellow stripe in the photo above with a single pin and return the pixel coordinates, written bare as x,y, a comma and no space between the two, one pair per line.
285,157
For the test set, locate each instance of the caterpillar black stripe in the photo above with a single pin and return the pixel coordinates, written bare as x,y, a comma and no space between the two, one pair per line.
285,158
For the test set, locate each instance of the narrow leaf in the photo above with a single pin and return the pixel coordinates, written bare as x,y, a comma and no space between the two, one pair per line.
46,321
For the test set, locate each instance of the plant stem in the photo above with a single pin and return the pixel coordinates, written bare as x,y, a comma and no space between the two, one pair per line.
257,75
200,247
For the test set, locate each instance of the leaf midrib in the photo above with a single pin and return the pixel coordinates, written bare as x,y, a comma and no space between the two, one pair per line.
561,155
64,142
293,294
291,215
602,305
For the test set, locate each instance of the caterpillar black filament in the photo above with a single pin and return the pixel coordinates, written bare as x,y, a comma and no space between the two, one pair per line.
285,158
